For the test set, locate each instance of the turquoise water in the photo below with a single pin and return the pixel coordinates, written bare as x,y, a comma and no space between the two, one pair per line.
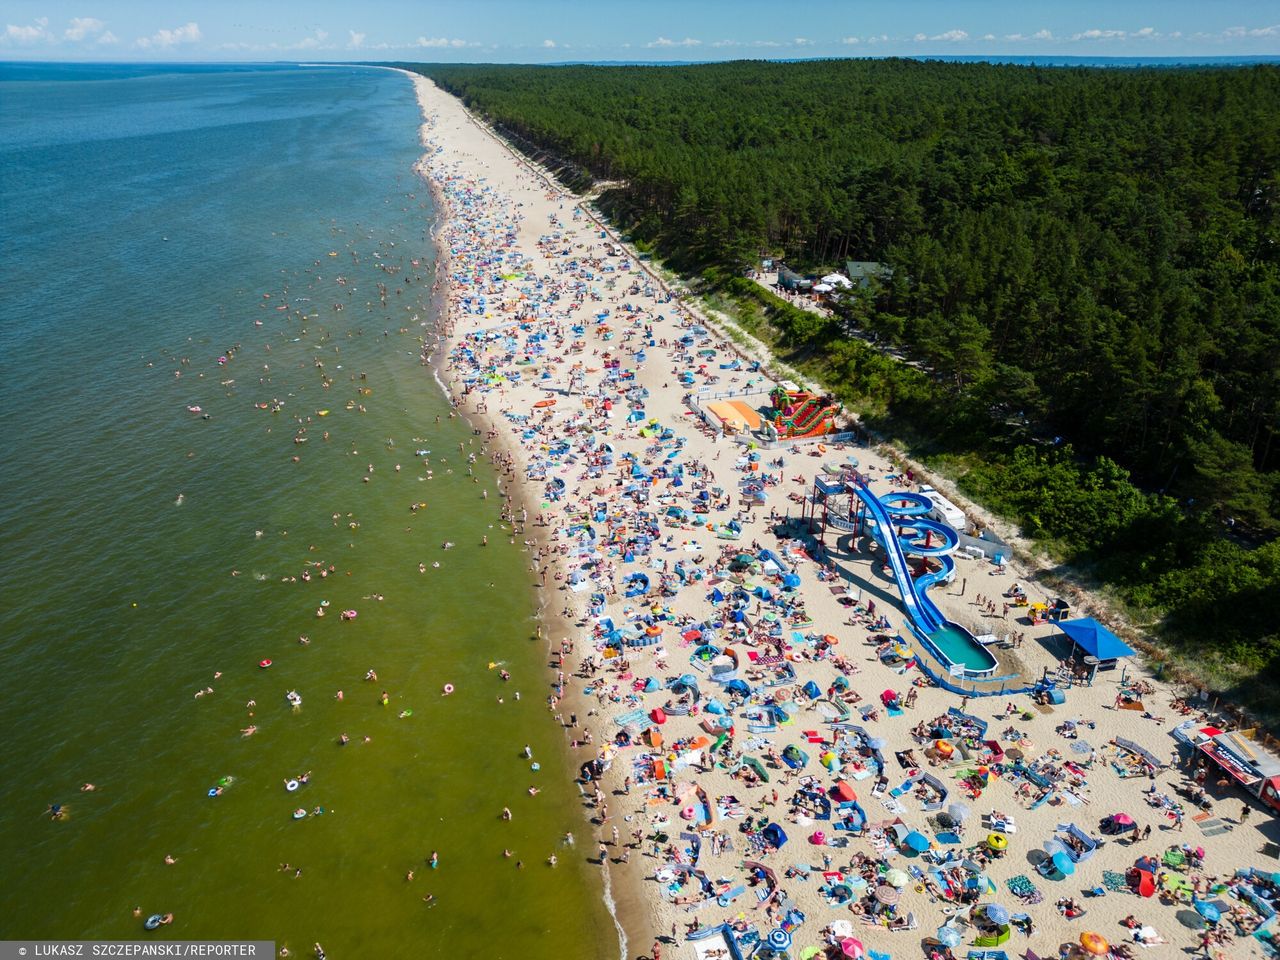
156,220
958,646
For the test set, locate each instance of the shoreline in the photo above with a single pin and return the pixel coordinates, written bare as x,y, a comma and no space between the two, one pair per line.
622,905
461,147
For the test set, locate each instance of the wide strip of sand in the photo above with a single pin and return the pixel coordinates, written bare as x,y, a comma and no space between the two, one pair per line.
516,247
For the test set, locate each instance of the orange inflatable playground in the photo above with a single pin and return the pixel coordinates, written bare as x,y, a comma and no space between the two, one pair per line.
798,414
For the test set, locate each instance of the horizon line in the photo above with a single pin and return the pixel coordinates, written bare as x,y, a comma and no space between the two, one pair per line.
975,57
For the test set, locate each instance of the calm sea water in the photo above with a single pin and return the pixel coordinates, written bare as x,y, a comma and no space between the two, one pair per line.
153,222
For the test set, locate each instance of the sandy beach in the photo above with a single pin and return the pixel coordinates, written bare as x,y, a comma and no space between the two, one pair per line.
568,354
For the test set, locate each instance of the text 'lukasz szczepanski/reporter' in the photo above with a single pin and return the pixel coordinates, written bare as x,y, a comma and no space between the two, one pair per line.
240,949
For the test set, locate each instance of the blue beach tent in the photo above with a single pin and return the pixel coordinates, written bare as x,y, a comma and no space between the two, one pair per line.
1095,639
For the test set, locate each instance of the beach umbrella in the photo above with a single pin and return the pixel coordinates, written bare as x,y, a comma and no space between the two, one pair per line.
998,841
1190,919
1123,819
779,939
917,841
949,936
1095,943
1062,863
849,947
897,878
887,895
996,914
876,743
958,812
808,953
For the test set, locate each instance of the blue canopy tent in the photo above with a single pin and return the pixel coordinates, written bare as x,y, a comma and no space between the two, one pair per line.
1095,640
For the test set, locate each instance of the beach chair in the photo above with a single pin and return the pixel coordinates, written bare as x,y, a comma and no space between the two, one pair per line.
911,924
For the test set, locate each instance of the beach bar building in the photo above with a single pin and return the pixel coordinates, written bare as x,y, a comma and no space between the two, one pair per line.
788,279
862,272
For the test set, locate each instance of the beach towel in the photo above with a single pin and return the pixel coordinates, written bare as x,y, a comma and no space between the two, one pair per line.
1115,882
1026,891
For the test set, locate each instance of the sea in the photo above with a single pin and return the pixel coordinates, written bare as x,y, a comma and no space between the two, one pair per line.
228,477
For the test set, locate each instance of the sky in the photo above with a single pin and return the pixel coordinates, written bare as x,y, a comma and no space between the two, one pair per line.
548,31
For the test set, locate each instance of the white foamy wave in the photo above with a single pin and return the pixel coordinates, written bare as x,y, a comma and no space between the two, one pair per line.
612,907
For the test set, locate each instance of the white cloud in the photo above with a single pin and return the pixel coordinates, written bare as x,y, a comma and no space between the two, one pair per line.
164,39
951,36
802,41
444,42
1271,31
988,36
1146,33
549,44
356,39
313,42
851,41
1042,35
664,42
1097,34
82,27
35,32
107,38
725,43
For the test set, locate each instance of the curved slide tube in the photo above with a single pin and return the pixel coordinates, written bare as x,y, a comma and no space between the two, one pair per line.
927,617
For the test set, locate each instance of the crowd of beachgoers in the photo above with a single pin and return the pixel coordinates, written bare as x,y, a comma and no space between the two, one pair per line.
764,765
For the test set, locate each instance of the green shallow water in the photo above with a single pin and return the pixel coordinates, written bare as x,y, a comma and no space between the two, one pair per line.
126,515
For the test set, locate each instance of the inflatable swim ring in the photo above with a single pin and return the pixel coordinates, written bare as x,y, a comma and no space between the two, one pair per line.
264,664
448,689
535,766
299,814
213,791
225,781
822,448
687,813
291,785
153,921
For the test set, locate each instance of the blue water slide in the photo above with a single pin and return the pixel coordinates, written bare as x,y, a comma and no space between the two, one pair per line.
927,618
